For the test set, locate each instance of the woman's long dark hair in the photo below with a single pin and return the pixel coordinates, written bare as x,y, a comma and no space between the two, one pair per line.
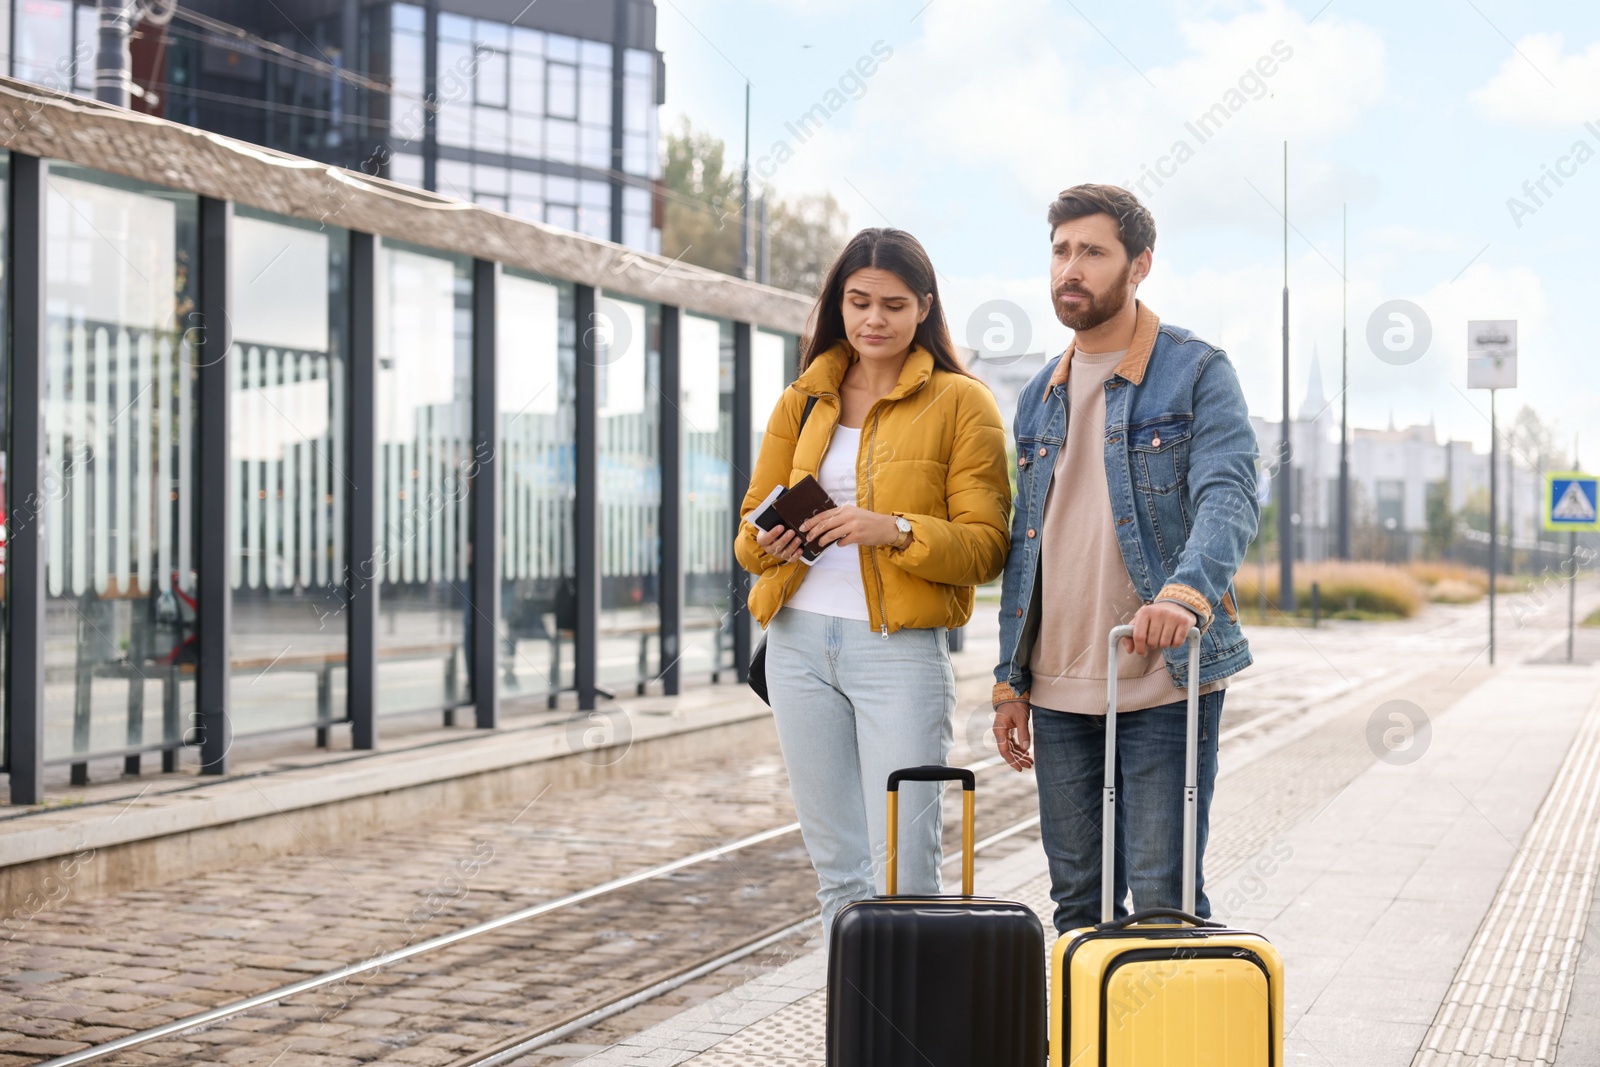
902,255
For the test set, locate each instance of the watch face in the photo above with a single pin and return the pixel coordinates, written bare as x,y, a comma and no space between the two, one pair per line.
903,524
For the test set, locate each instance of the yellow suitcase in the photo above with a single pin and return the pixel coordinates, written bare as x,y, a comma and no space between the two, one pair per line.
1180,992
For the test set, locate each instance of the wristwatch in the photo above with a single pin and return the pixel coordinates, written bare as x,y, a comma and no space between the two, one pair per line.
902,524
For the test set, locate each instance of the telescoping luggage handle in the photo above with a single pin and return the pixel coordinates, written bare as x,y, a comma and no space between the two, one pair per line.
1191,787
969,785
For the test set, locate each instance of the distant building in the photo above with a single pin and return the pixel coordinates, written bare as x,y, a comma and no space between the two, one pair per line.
552,118
1392,473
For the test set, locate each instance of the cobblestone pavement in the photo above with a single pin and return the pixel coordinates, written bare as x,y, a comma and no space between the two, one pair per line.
89,971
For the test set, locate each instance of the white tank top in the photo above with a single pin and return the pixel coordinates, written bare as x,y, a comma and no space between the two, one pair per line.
832,585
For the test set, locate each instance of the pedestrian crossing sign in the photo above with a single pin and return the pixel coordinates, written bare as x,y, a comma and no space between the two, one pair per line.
1571,501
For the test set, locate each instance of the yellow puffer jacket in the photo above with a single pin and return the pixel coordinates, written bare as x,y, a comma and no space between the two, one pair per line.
933,450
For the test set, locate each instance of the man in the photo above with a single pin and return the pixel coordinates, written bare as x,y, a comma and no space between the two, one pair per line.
1136,499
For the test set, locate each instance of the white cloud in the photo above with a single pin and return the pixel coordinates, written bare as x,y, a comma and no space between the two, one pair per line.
1064,107
1540,86
1240,310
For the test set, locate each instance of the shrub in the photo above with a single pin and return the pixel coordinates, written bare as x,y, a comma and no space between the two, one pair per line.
1367,588
1455,591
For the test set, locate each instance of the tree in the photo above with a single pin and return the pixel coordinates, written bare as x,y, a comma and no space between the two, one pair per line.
701,224
1442,522
702,217
806,235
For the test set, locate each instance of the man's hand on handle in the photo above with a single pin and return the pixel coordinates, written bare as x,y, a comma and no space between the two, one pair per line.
1011,733
1159,625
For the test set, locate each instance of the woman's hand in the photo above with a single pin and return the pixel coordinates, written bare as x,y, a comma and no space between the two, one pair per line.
780,543
850,525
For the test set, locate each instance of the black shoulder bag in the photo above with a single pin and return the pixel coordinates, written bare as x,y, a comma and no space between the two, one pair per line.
757,675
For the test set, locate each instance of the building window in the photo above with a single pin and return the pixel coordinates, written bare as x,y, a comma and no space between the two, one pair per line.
1391,503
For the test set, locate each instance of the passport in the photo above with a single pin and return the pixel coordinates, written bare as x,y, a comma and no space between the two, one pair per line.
791,507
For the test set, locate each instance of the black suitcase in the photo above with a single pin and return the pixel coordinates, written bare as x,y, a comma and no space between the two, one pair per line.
941,981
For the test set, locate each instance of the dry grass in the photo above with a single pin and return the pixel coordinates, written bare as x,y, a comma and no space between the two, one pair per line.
1455,591
1365,589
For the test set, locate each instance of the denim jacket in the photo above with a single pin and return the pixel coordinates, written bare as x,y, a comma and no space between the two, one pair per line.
1181,469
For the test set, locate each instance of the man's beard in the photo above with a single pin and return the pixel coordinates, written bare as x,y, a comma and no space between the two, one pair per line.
1099,308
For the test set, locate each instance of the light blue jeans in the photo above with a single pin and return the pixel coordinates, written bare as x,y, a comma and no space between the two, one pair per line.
850,706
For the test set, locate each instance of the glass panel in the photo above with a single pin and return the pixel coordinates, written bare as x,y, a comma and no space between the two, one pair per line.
454,178
86,45
536,338
594,216
774,362
527,84
44,43
561,215
406,67
424,379
527,135
455,94
561,140
407,168
493,34
490,80
287,442
489,129
528,41
636,156
638,98
595,150
119,431
561,90
559,46
407,17
454,28
630,490
594,103
706,352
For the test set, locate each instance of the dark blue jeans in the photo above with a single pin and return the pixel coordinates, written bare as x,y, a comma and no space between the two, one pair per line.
1069,764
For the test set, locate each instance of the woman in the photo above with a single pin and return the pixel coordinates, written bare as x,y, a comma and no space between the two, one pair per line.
911,449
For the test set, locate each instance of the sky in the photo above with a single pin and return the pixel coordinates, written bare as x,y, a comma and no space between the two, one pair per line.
1429,124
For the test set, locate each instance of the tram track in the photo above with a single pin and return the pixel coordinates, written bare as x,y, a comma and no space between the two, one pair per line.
701,965
666,965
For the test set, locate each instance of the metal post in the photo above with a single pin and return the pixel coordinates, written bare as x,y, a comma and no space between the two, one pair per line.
25,548
586,518
214,488
1285,446
619,44
743,436
1572,589
1494,518
366,568
112,63
744,194
430,95
484,503
1344,401
670,448
764,259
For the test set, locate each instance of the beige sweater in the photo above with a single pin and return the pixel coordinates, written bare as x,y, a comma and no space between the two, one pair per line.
1085,589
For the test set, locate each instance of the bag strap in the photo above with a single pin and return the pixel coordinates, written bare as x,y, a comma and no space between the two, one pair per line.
811,402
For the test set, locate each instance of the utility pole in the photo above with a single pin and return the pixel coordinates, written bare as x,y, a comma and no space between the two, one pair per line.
744,194
112,64
1285,466
1344,398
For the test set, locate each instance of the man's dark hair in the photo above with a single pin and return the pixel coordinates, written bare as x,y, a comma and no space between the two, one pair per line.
1135,227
